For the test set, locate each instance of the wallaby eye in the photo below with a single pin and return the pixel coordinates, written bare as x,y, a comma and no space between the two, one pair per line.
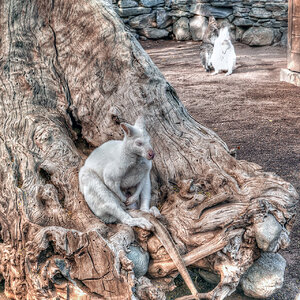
139,143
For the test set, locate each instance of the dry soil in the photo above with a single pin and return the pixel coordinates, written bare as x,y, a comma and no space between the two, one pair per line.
250,110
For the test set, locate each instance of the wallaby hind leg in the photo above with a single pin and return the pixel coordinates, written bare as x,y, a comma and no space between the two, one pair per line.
103,203
229,72
146,197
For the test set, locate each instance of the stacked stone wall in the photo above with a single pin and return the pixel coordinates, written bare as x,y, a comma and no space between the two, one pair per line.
253,22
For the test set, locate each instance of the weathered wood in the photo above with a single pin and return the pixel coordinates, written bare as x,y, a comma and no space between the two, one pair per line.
70,73
293,47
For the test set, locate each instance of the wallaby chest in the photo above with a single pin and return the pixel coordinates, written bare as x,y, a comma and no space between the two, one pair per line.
135,173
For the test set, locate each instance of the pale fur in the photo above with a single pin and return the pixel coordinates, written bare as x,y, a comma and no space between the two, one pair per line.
223,57
115,167
206,48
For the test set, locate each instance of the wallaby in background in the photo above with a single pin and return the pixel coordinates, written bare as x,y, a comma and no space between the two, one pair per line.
223,57
114,168
206,48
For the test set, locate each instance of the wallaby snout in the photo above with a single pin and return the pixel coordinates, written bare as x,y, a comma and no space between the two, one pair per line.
150,154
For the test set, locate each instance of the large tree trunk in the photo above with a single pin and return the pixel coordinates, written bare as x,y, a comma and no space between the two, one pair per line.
70,73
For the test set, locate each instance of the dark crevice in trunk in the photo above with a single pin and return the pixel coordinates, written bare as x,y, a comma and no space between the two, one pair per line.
80,142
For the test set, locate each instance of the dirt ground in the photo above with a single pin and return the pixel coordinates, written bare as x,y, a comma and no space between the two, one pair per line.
250,110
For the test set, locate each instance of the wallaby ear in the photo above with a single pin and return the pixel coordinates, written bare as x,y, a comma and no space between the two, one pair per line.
140,122
128,129
211,19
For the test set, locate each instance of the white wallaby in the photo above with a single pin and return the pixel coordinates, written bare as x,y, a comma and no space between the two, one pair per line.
114,168
223,57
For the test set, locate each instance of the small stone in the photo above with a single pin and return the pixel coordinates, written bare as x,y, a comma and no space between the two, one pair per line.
132,11
268,231
209,277
151,3
206,10
283,41
220,12
142,21
242,22
154,33
127,3
180,4
230,18
260,13
239,31
200,9
180,13
181,29
143,38
290,77
280,15
277,39
198,25
258,36
222,3
265,276
140,259
277,6
241,9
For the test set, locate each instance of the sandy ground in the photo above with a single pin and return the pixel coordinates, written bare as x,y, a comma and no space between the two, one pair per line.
250,110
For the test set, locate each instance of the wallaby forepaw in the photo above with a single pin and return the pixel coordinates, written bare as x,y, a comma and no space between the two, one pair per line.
132,199
143,223
140,222
155,212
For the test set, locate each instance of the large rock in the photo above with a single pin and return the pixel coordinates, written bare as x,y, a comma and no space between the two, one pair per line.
163,18
151,3
265,276
267,233
154,33
127,3
198,25
258,36
207,10
181,29
142,21
132,11
260,13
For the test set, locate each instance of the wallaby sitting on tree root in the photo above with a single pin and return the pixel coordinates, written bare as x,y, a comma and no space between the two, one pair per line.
114,168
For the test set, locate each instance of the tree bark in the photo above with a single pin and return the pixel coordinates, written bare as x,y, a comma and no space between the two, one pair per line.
70,73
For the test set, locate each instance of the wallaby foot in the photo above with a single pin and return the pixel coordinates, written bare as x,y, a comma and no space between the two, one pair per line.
214,73
228,73
139,222
155,212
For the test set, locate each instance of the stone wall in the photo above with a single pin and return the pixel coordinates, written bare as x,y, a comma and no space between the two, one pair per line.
253,22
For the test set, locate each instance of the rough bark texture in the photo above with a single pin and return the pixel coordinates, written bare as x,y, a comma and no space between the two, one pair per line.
70,73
